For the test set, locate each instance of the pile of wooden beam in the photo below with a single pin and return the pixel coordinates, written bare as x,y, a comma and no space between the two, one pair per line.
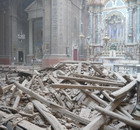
69,96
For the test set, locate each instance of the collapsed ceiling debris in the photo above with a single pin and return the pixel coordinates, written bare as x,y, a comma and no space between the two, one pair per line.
68,96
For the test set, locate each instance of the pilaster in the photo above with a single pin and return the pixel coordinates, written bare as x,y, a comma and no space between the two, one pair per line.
47,27
98,28
138,23
130,25
91,23
30,37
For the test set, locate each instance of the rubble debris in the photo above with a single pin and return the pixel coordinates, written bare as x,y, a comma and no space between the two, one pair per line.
70,95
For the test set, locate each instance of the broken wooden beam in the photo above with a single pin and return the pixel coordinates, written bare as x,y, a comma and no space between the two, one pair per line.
6,88
100,119
95,97
130,122
71,86
122,91
93,77
47,115
98,70
120,77
107,96
90,80
41,84
17,100
125,112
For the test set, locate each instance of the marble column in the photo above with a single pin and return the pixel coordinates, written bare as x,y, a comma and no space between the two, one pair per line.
138,23
30,37
130,25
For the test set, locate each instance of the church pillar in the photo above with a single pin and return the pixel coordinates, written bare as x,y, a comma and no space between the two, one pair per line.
138,23
98,28
130,25
30,37
91,24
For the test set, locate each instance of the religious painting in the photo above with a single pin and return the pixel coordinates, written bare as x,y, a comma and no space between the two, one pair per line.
115,27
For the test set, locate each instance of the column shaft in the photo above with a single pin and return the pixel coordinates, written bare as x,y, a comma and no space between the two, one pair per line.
138,23
91,24
98,28
30,38
130,26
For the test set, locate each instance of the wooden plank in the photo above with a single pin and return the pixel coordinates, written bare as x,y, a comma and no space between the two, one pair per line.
123,90
31,81
130,122
93,77
125,112
72,115
7,87
71,86
95,97
61,80
128,78
47,115
17,100
96,123
53,79
90,80
119,76
119,112
107,96
41,84
29,126
98,70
